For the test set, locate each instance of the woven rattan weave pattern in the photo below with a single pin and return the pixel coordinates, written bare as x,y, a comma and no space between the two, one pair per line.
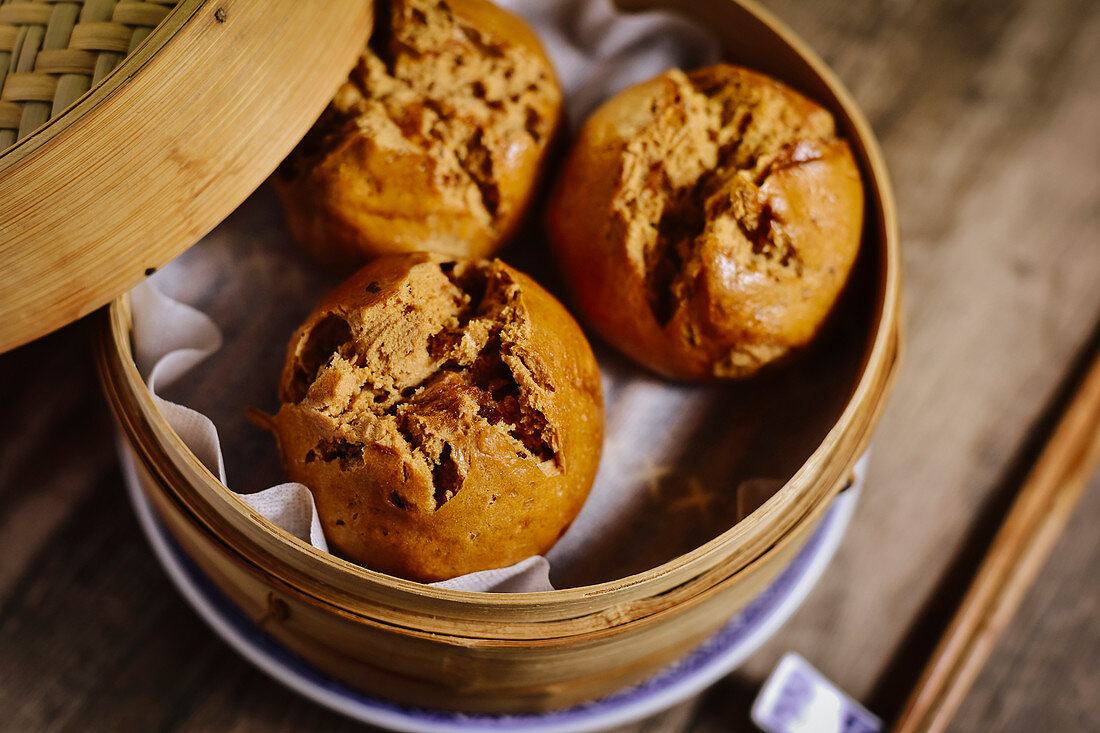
53,52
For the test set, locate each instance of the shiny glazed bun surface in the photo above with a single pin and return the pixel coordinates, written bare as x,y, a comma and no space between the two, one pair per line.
447,416
434,143
707,222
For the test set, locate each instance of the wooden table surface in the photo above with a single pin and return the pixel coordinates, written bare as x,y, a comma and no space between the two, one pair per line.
989,114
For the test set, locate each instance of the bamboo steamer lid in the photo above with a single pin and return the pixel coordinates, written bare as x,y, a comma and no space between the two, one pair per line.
129,129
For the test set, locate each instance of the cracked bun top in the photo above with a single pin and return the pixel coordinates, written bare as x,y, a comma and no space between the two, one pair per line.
707,221
447,416
435,141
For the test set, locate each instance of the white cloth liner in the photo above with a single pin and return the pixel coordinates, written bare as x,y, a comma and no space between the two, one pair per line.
597,52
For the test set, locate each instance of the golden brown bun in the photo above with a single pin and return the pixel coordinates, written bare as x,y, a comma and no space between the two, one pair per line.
435,141
447,417
707,222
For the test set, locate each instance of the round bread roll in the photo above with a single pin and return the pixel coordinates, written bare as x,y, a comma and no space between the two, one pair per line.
435,141
447,416
707,222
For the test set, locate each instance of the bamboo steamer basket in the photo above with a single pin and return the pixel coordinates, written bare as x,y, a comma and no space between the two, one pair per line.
476,652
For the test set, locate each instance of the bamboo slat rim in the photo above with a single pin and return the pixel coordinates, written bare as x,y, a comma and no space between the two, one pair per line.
148,432
788,547
798,502
151,456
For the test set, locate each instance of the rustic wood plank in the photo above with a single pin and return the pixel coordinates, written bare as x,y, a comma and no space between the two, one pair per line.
1044,675
981,111
54,437
92,634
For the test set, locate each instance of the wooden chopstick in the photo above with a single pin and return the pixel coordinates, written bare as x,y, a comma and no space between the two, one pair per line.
1024,542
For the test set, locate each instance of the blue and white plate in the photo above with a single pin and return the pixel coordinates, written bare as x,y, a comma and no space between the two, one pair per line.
712,660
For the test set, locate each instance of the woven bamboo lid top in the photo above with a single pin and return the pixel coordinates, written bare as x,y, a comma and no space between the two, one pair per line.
51,53
128,129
